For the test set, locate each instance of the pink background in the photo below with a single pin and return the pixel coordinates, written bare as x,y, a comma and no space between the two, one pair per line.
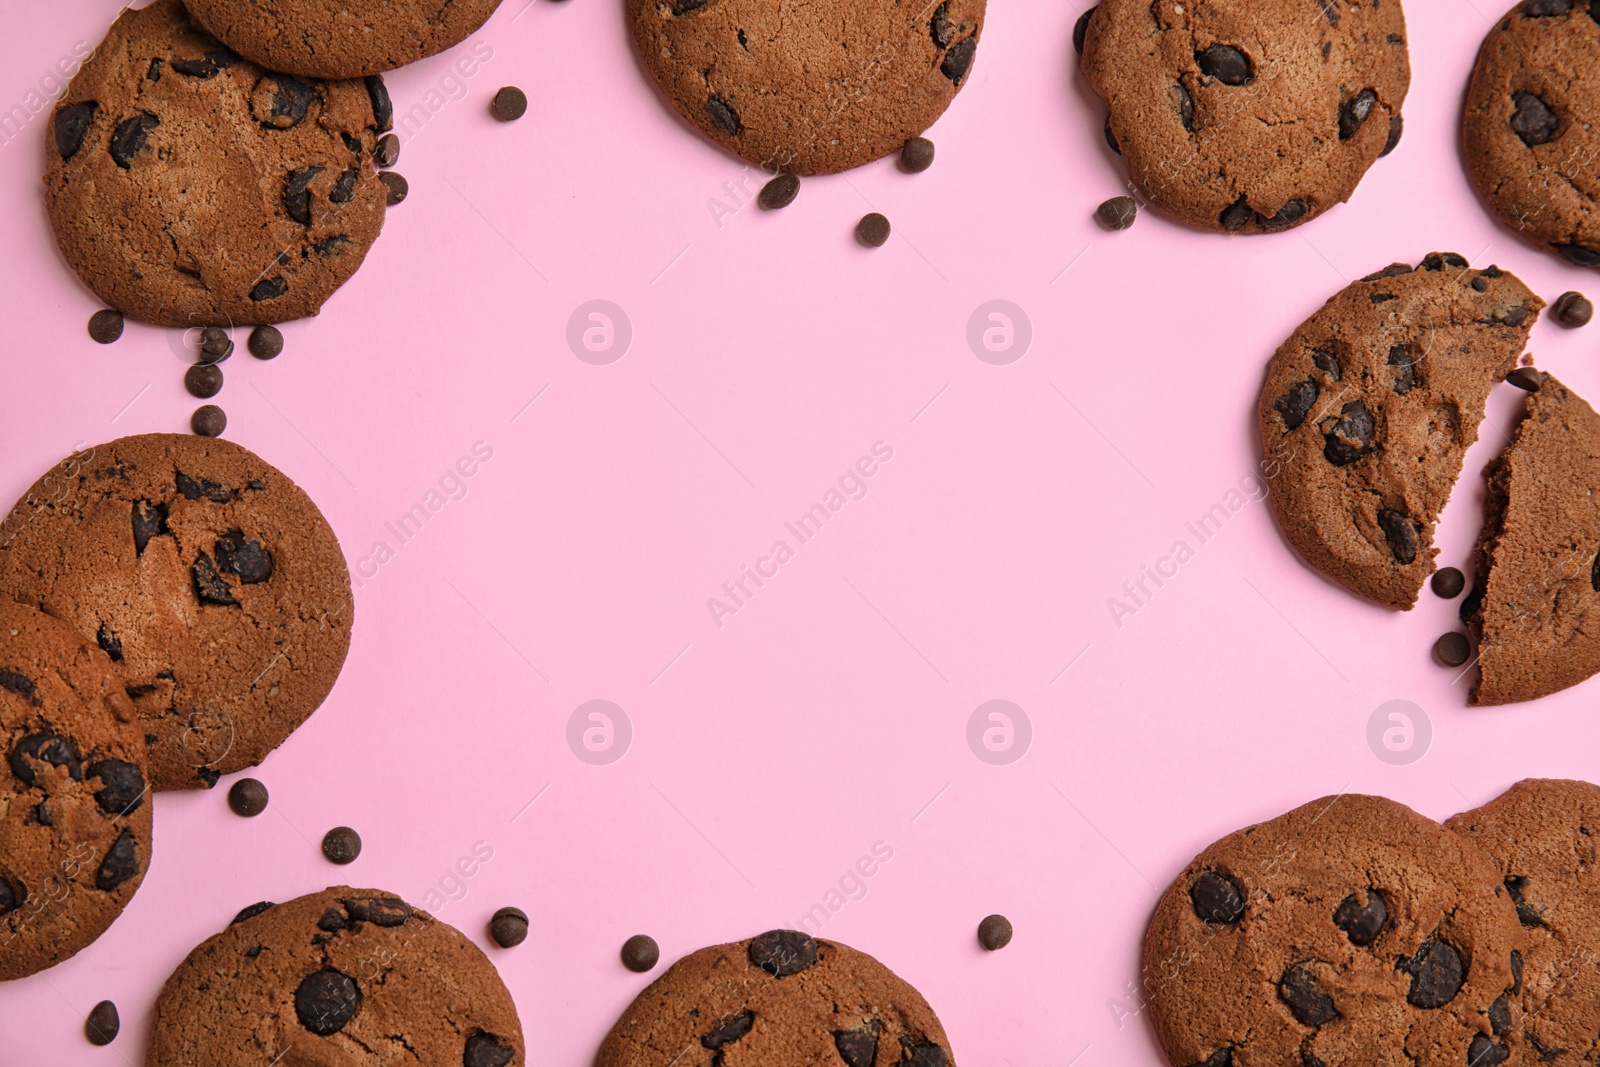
830,713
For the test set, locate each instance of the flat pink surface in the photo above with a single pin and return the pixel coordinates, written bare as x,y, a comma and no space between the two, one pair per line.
830,712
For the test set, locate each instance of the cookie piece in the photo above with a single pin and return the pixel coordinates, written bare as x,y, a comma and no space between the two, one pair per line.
1351,930
209,578
341,978
1535,602
190,187
74,810
1532,125
782,997
813,88
1248,116
1541,834
340,38
1369,407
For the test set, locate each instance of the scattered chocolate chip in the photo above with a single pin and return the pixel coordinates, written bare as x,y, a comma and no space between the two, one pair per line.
209,586
1583,257
640,953
53,749
872,230
1484,1051
729,1030
1397,127
1400,533
485,1050
208,420
1118,213
105,326
207,66
1436,971
121,786
858,1048
120,864
1080,29
379,911
251,911
102,1025
1526,378
72,124
247,797
1296,404
916,155
1216,898
341,845
266,342
724,116
509,104
509,927
214,341
244,557
958,60
1448,582
782,953
269,289
1532,120
131,137
1349,437
203,380
1354,112
1571,309
994,932
779,192
326,1001
398,187
1362,921
1225,63
387,152
382,106
1307,1002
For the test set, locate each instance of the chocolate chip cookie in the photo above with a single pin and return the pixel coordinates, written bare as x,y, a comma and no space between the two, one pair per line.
782,997
809,88
190,187
1541,834
1248,116
1535,600
209,578
1349,931
342,978
340,38
1532,125
74,814
1369,407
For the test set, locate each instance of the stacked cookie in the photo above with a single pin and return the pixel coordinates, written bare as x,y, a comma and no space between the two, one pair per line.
1353,930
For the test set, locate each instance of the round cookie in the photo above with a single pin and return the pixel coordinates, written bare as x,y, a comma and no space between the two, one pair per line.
74,814
341,978
210,579
813,88
1368,409
782,997
1248,116
1349,931
1532,125
1541,834
340,38
189,187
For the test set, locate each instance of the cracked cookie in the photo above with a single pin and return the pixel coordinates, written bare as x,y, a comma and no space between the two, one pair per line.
1349,931
74,814
1541,833
782,997
1532,125
190,187
1535,601
341,978
209,578
1245,116
1368,409
808,88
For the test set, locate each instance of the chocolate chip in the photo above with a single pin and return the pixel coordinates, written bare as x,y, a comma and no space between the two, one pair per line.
1349,437
509,104
245,558
1436,974
1080,29
1583,257
53,749
120,864
1448,582
1111,137
1236,216
1393,270
683,7
1484,1051
1594,571
1535,9
1291,213
398,187
208,420
1296,404
19,684
291,100
1307,1002
102,1025
333,920
247,797
209,586
266,342
872,230
72,124
149,520
12,896
269,289
1216,898
958,60
1571,309
214,341
1354,112
779,192
1185,106
994,932
1526,378
1532,120
387,152
729,1030
208,777
782,953
1527,913
1328,362
1516,973
1330,11
1397,126
341,845
379,911
131,137
196,488
724,116
207,66
1400,533
326,1001
250,912
640,953
1226,64
345,187
1361,921
915,1053
1404,361
858,1048
509,927
1452,649
916,155
485,1050
382,106
203,380
105,326
109,643
121,786
1480,284
1118,213
1514,316
297,194
1500,1014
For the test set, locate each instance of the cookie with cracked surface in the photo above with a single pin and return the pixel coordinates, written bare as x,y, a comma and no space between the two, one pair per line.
812,88
1541,833
189,187
74,814
341,978
340,38
209,578
1351,930
1535,601
1368,409
780,997
1245,116
1532,125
